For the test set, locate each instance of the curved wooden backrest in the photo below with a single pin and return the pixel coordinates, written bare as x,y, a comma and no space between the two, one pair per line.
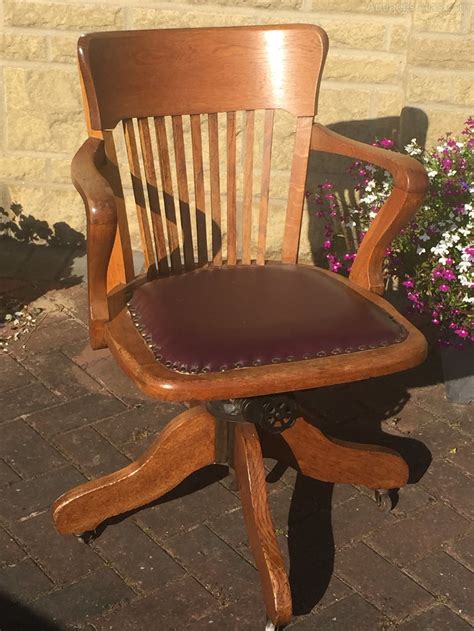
152,81
198,71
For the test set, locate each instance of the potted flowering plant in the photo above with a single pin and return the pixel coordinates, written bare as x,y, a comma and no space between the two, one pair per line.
432,260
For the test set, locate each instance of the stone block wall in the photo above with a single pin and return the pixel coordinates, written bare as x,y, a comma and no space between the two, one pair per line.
393,65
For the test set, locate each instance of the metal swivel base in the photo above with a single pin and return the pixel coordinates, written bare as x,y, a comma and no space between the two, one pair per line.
272,413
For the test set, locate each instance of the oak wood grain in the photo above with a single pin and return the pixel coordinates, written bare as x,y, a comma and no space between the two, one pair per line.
265,185
168,461
249,133
294,211
216,230
153,73
121,268
250,475
410,184
199,191
153,197
138,192
183,191
305,448
168,195
231,189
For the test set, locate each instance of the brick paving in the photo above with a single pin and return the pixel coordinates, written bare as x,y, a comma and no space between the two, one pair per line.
68,414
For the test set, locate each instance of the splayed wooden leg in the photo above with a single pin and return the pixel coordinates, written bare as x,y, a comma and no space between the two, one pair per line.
305,448
185,445
250,474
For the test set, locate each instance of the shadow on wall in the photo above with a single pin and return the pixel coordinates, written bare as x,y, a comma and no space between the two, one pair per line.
412,123
35,258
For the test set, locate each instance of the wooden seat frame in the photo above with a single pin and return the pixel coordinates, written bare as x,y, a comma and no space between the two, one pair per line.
194,439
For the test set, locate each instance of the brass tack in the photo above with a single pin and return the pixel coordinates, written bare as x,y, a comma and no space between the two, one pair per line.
321,354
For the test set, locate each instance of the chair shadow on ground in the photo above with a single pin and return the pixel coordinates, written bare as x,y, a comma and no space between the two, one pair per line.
15,616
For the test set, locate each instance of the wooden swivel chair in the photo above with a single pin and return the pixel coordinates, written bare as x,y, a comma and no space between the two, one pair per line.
212,322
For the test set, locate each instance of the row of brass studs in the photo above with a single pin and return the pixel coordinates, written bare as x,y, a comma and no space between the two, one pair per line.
194,370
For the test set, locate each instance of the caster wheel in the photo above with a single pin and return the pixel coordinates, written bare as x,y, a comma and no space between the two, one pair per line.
87,536
383,500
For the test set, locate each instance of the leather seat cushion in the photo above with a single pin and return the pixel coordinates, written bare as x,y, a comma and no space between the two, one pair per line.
221,318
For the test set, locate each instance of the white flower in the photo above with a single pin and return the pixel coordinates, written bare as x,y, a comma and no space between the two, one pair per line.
432,173
420,250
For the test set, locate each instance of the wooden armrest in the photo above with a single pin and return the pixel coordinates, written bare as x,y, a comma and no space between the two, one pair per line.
101,212
91,183
410,184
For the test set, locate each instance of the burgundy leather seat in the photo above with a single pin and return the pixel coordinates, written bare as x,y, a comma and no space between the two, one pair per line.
221,318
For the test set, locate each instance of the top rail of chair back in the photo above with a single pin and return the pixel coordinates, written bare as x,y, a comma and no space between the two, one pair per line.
195,71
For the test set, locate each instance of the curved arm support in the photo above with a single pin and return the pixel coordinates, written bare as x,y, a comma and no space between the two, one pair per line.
410,184
99,202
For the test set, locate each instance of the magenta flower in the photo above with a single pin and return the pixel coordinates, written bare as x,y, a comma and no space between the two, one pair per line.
462,332
449,275
408,283
327,244
444,288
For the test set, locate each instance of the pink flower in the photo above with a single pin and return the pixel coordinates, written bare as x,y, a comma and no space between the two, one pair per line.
444,287
327,244
408,283
462,332
449,275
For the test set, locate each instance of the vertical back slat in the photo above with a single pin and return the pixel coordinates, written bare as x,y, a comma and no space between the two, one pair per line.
231,190
294,211
168,197
265,185
121,262
248,188
138,193
153,197
198,171
216,230
183,191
